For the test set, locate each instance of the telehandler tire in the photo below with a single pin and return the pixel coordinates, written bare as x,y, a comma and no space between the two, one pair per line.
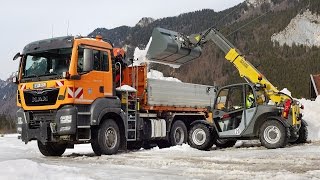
109,137
303,133
225,143
273,134
200,137
178,133
52,149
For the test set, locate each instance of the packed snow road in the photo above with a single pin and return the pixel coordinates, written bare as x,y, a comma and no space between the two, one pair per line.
20,161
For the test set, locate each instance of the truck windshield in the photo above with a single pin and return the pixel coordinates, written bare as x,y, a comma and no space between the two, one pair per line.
46,63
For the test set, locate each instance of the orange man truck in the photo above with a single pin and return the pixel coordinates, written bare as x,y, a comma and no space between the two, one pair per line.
67,95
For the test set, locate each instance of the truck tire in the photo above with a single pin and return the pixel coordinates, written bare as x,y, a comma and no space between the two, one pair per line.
109,137
225,143
303,133
52,149
200,137
178,133
273,134
94,142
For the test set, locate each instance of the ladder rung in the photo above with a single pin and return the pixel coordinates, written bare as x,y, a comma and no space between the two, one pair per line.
84,113
83,127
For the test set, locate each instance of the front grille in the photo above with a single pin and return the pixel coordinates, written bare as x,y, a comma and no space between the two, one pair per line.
41,97
39,116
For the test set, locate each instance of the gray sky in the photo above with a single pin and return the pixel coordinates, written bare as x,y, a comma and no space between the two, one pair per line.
24,21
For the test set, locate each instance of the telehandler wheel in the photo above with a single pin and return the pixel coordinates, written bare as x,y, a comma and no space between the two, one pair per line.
52,149
200,137
273,134
225,143
303,133
178,133
109,137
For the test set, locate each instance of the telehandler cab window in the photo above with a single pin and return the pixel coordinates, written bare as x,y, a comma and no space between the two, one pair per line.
46,63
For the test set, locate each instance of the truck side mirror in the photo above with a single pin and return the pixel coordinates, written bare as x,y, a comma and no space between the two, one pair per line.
16,56
87,60
15,80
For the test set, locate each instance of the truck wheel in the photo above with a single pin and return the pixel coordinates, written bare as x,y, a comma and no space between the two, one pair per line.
178,133
200,137
225,143
52,149
94,142
273,134
109,137
303,133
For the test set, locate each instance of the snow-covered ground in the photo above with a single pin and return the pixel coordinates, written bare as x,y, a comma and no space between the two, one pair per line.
303,29
20,161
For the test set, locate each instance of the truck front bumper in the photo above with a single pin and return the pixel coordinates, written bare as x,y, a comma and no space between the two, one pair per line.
47,126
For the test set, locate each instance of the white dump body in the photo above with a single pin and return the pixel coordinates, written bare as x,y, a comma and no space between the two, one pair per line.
179,94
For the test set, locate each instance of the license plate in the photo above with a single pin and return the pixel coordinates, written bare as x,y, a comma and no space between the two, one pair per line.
39,85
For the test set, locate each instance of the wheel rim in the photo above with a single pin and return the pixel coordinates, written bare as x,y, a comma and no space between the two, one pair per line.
178,136
199,137
111,138
272,134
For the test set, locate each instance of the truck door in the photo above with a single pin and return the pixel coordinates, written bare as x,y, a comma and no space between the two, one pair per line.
98,82
229,108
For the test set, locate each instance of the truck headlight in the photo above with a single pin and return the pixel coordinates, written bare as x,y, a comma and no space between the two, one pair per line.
19,130
65,119
19,120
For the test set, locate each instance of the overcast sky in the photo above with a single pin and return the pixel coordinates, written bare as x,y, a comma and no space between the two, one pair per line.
24,21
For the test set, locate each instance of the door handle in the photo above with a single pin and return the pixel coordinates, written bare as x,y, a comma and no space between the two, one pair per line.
101,89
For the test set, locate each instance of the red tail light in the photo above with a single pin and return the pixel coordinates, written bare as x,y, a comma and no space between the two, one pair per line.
286,109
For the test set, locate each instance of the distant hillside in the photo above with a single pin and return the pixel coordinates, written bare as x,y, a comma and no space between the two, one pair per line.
258,20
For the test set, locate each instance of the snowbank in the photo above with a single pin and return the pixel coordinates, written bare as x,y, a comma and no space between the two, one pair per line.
311,116
27,169
310,113
303,29
153,74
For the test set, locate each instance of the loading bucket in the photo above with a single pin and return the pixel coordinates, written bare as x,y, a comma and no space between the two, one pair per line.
167,48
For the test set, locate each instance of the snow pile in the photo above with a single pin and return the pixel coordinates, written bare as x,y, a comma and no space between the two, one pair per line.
139,55
303,29
311,116
153,74
256,3
310,113
126,88
27,169
286,91
140,58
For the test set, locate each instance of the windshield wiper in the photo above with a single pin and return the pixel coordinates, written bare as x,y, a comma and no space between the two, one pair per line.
31,76
49,74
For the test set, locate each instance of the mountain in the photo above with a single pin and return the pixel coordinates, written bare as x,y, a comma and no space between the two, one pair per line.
250,26
256,27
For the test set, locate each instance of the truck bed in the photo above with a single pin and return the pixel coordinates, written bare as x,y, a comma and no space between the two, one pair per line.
179,94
